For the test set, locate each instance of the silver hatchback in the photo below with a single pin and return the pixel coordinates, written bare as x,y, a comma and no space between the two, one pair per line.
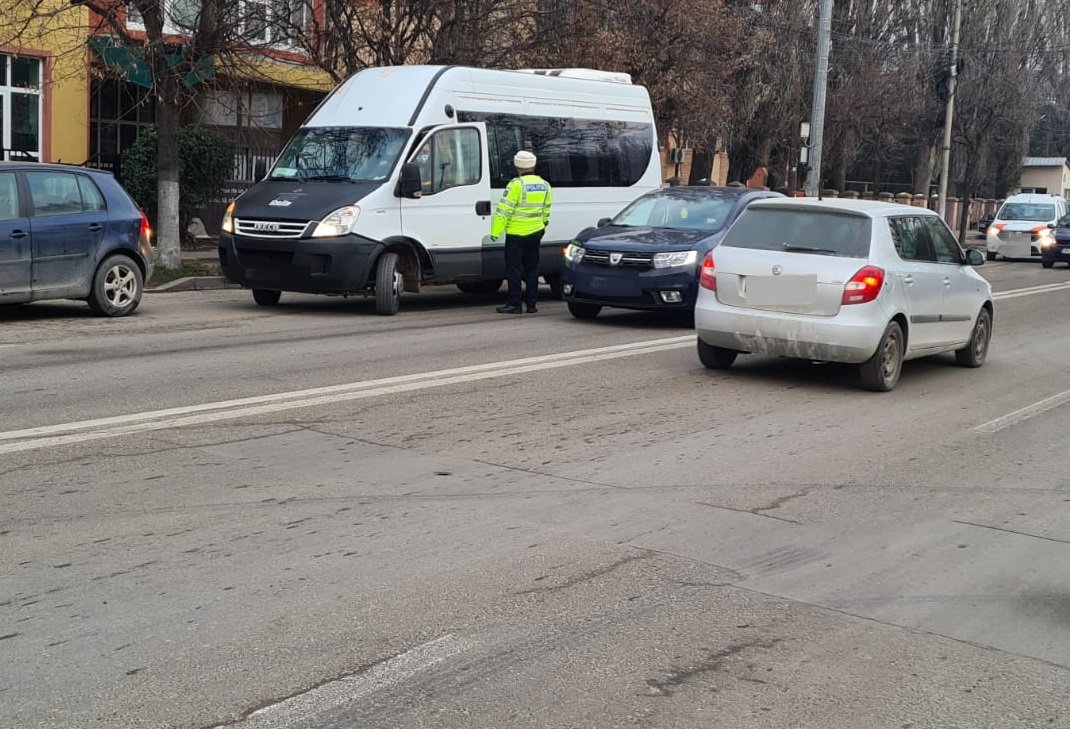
849,281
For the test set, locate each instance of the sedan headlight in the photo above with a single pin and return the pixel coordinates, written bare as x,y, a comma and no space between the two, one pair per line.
574,253
227,226
340,222
675,258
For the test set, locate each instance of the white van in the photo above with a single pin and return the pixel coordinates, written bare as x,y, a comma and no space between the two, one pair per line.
392,181
1020,223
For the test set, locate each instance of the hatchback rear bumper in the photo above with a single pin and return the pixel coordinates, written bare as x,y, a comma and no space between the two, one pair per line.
851,336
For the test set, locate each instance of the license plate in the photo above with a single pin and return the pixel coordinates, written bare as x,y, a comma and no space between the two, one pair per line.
611,286
781,290
1064,251
261,274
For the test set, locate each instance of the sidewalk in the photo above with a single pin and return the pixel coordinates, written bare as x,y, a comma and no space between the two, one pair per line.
209,258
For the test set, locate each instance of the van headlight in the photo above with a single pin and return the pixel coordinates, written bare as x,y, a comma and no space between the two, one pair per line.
675,258
227,226
573,252
340,222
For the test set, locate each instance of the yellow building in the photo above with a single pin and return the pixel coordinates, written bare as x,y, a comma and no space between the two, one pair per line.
68,94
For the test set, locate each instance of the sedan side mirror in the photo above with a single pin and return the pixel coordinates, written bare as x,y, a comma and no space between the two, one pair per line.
604,222
974,257
410,184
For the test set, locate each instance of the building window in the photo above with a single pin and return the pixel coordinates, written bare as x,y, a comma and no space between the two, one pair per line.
117,113
276,22
20,107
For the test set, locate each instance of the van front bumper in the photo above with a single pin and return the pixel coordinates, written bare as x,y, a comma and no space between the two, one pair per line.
306,265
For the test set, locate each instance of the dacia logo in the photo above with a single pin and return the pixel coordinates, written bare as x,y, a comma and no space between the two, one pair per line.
615,258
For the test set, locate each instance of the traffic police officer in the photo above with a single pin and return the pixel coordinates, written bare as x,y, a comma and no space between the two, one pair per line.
523,214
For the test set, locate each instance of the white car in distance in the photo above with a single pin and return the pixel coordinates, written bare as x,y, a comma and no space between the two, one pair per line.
848,281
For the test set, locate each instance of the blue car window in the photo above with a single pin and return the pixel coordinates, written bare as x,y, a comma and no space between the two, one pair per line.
9,196
54,193
92,200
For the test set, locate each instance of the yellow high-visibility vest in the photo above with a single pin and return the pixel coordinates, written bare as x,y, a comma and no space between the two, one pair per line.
524,208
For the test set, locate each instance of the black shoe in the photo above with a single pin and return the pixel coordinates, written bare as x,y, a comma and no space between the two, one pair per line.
508,309
532,309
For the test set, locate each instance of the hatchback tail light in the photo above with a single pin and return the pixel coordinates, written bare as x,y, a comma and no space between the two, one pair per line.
707,277
146,230
863,286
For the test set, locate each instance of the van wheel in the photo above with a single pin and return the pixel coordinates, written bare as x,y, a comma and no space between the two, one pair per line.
716,358
880,372
117,286
481,287
990,255
1047,264
266,297
555,286
974,353
583,311
388,282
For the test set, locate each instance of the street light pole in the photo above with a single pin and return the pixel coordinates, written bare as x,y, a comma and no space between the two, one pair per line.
817,113
952,82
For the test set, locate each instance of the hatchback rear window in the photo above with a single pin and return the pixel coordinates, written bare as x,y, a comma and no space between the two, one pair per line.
801,231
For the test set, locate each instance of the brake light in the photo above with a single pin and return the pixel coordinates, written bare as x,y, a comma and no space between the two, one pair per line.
146,230
707,277
863,286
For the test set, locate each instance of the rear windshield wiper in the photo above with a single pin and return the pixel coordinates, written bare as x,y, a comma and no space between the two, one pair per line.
808,249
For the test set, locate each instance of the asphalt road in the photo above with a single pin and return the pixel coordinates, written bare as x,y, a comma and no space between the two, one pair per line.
313,517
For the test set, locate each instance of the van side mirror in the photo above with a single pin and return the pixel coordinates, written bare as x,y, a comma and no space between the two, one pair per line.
259,170
604,222
1051,226
974,257
410,184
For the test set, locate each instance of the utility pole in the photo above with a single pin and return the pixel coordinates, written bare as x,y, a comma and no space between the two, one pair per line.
817,113
952,82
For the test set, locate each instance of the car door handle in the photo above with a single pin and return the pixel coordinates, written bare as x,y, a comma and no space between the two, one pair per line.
483,207
16,234
908,280
95,227
947,282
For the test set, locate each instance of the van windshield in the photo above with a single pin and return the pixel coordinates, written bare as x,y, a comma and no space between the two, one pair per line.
1036,212
343,154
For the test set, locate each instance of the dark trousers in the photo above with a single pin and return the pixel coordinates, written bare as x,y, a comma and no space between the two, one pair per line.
522,264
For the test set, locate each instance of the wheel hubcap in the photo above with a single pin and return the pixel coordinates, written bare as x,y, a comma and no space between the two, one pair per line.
980,341
120,286
399,281
890,358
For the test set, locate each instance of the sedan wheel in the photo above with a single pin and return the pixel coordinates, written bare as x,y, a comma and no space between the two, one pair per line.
117,286
880,372
974,353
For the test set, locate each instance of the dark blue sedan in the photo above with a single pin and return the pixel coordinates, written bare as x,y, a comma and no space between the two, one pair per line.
647,257
1055,245
71,233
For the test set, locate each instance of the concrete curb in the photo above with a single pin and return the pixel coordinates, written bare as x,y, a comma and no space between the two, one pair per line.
193,283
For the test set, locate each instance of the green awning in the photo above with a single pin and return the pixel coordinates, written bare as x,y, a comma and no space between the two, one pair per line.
129,61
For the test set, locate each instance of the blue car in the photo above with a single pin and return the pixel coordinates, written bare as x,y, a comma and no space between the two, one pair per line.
648,256
71,233
1055,244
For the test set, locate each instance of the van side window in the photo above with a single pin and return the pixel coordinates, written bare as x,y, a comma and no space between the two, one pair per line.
944,242
451,158
54,193
9,196
571,152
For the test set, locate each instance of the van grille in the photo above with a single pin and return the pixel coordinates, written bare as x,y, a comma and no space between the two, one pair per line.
632,260
270,228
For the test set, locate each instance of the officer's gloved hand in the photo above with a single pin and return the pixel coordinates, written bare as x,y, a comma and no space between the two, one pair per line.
491,241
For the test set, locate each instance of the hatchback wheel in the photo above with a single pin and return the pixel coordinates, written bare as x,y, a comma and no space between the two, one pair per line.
716,358
974,353
880,372
117,286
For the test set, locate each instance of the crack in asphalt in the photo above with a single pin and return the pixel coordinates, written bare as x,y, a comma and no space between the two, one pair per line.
584,577
714,661
751,512
1011,531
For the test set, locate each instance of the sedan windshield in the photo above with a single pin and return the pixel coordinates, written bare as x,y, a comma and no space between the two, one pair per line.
340,154
678,213
1040,213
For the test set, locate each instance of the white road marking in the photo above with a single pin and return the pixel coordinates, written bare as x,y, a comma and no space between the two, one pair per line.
1029,291
1006,421
87,430
338,693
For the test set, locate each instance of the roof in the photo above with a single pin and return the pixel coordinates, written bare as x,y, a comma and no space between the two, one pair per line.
1044,162
705,191
868,208
56,166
